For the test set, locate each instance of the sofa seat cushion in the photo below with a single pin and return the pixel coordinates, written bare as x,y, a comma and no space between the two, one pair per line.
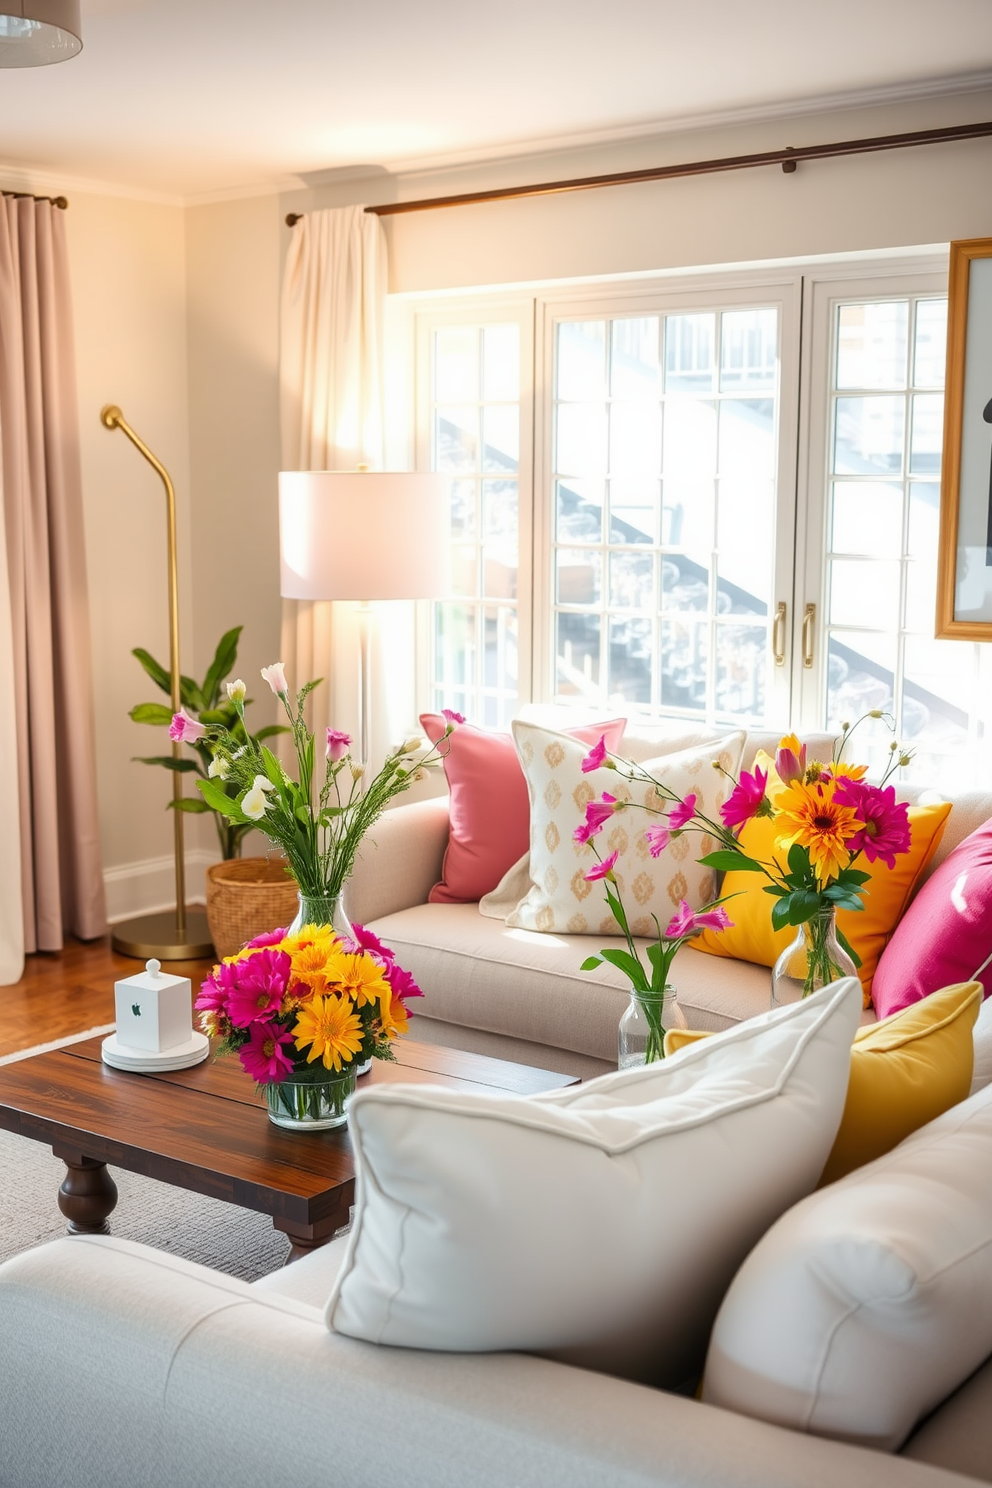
480,973
599,1224
958,1435
869,1302
310,1279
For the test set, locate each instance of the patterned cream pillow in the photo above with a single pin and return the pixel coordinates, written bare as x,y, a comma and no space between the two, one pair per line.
561,899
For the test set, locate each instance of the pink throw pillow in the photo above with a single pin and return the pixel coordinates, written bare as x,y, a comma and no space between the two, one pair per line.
489,809
945,934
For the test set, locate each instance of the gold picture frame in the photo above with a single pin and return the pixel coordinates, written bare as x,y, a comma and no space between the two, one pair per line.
964,568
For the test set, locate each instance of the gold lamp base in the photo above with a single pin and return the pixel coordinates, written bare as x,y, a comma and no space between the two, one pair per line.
158,935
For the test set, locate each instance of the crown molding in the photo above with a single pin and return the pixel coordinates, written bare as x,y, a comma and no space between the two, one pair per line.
38,182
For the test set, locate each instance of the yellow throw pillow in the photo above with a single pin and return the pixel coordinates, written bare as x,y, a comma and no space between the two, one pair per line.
905,1071
888,892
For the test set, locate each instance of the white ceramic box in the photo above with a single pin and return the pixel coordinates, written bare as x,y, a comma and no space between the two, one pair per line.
154,1010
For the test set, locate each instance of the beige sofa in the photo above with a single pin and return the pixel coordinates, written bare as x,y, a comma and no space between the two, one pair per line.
517,994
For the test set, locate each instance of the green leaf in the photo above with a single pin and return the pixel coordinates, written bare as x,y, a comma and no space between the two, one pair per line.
271,729
842,938
630,967
780,914
218,801
779,890
590,963
803,905
154,713
272,768
725,860
799,863
853,876
224,658
215,716
190,695
189,803
157,673
183,766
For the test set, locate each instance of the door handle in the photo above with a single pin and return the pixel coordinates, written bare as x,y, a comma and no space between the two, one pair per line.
809,619
778,634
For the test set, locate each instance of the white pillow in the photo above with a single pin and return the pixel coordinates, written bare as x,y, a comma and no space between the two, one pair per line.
561,899
600,1224
867,1304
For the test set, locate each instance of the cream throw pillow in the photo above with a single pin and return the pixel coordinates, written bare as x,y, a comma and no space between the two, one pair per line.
560,898
867,1304
600,1224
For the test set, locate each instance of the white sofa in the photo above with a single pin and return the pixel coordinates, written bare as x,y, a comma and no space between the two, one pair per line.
122,1367
518,994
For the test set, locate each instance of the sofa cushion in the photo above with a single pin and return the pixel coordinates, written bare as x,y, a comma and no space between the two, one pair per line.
561,899
868,1303
905,1071
489,809
480,973
946,933
599,1224
958,1434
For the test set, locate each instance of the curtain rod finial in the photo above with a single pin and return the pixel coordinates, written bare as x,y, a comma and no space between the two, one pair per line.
110,416
292,218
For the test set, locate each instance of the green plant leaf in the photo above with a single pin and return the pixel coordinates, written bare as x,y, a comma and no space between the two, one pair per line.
190,695
218,801
183,766
224,658
271,729
842,938
630,967
780,914
157,672
590,963
215,716
799,863
273,769
725,860
189,803
154,713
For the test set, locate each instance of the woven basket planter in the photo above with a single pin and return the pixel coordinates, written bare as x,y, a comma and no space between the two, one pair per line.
247,897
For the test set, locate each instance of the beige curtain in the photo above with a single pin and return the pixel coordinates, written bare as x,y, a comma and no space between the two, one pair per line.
61,868
332,419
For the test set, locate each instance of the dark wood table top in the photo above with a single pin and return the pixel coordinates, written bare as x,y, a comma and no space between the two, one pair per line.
206,1129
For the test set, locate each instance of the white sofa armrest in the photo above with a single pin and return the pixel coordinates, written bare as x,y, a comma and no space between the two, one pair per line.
123,1366
399,861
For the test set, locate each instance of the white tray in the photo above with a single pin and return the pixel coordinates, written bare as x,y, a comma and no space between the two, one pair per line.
145,1062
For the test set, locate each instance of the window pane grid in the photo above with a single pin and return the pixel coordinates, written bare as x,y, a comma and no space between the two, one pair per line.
665,441
475,437
883,482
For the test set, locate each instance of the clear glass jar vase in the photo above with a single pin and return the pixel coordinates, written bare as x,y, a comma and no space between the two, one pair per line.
311,1105
646,1020
322,910
813,960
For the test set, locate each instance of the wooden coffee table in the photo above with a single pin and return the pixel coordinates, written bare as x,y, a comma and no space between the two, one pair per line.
206,1130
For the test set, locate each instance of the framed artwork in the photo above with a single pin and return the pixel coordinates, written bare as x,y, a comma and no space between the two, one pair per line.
964,572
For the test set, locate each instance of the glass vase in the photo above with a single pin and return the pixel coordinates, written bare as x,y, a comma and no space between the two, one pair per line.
322,910
814,959
311,1105
646,1020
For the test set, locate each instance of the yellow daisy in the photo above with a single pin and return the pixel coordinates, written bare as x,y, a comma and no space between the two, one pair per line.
809,815
361,978
393,1016
333,1030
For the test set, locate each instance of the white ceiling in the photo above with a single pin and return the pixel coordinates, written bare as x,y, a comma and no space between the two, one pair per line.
191,97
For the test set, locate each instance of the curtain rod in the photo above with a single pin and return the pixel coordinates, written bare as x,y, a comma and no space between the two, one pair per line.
787,158
61,202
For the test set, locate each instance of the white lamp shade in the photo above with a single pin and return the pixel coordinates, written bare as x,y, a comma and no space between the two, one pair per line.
34,33
363,535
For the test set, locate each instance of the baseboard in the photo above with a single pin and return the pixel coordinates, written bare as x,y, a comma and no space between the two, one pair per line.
150,884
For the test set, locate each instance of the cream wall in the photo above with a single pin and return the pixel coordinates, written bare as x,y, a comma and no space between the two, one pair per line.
128,271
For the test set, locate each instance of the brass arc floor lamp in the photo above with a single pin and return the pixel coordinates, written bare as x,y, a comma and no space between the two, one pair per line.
179,934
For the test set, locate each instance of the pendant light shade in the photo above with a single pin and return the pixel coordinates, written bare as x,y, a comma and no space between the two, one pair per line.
34,33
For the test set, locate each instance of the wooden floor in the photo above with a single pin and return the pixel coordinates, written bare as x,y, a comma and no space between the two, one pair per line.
70,991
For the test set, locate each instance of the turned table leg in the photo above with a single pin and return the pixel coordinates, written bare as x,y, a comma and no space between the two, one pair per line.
87,1195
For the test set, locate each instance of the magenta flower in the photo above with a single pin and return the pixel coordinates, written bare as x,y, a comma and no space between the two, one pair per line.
603,869
270,938
213,994
596,757
686,921
264,1056
657,837
597,814
886,821
338,744
185,730
255,986
789,765
682,813
401,981
746,799
452,716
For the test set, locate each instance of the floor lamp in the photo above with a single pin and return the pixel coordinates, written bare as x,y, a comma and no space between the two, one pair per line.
179,934
363,535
